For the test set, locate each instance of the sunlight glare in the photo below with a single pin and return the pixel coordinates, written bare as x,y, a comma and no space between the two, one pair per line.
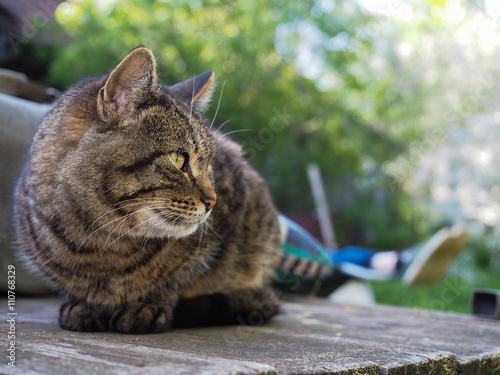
492,8
391,8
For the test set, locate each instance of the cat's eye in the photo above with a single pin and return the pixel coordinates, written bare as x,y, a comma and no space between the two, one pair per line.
180,159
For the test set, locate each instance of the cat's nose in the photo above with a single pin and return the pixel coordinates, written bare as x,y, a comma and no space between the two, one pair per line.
208,201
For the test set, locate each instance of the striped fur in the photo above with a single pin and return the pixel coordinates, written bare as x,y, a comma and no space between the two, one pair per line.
125,234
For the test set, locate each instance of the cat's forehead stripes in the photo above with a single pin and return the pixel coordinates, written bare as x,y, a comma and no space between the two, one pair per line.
177,129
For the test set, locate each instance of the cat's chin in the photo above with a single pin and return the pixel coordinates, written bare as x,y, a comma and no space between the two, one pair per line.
180,231
163,228
172,231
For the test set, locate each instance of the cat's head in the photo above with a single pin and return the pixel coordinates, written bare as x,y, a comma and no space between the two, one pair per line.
146,151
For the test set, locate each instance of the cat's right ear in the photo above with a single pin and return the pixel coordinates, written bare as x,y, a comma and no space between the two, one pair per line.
127,86
196,91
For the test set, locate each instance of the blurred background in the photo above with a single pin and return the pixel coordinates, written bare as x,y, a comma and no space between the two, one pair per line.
397,101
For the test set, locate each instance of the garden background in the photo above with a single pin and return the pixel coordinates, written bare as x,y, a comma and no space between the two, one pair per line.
397,101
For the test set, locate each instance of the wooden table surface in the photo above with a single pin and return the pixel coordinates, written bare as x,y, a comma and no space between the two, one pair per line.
310,336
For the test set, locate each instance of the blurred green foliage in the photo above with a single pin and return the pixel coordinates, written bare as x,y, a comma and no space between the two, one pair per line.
298,82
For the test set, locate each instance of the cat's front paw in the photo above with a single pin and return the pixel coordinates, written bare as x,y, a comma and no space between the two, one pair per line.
142,318
79,316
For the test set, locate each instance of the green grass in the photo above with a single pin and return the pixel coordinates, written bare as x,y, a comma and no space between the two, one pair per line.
452,293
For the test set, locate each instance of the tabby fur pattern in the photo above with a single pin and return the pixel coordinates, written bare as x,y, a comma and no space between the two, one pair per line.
141,214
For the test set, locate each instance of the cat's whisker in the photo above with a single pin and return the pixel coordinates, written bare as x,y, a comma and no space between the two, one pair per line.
204,229
114,210
206,109
218,104
143,199
157,205
147,235
119,227
177,218
225,123
173,222
167,215
97,230
105,214
130,230
213,230
234,131
202,232
128,217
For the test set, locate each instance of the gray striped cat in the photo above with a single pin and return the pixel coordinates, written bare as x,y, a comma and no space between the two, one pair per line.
140,214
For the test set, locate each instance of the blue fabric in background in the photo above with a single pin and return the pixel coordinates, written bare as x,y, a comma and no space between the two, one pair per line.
352,254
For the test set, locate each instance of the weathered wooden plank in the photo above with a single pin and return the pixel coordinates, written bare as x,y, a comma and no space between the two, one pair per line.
473,341
309,337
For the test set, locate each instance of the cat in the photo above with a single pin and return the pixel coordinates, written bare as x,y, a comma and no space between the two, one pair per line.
142,215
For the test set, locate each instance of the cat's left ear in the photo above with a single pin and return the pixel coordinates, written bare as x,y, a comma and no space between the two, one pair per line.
196,91
128,86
